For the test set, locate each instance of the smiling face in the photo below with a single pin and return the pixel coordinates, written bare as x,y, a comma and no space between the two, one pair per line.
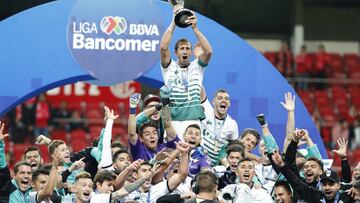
245,172
23,177
150,137
356,173
65,153
312,171
183,53
40,182
282,195
106,187
249,141
193,137
83,188
221,104
233,159
122,161
330,189
143,172
34,159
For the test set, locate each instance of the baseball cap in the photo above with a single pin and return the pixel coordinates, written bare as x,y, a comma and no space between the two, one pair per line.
330,175
150,98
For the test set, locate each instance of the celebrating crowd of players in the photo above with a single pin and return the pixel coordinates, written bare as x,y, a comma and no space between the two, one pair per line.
182,148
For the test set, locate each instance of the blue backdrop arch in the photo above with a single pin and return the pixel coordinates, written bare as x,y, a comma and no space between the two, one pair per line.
35,58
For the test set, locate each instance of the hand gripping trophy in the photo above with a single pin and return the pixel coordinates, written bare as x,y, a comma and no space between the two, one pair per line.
181,13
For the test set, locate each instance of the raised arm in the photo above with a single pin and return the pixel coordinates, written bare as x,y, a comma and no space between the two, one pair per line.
134,100
180,177
120,179
166,113
127,189
145,115
159,174
204,43
2,146
342,153
165,55
106,156
289,105
42,195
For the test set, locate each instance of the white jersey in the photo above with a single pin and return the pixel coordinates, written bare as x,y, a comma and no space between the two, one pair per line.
216,133
33,198
267,176
185,85
242,193
183,187
100,198
154,193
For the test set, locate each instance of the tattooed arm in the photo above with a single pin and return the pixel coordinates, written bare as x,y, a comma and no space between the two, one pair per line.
127,189
170,130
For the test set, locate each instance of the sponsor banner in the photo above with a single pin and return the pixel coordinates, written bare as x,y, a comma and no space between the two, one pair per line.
84,92
115,40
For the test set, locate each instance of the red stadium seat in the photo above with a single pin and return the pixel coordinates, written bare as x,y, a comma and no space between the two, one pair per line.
271,56
78,145
59,134
95,131
351,59
45,153
78,135
18,152
327,113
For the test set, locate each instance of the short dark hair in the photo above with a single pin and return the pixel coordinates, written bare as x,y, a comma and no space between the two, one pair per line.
243,160
183,40
104,175
206,181
193,126
30,149
236,148
253,132
117,144
287,187
145,163
54,145
220,90
145,125
282,183
17,166
40,171
117,153
318,161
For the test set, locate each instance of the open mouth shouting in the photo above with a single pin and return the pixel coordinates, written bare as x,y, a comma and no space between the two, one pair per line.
33,164
86,195
223,107
309,176
246,177
233,167
192,143
25,183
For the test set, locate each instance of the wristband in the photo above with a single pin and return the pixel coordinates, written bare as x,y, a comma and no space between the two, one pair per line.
132,110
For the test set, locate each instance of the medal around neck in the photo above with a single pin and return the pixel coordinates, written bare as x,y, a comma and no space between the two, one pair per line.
182,14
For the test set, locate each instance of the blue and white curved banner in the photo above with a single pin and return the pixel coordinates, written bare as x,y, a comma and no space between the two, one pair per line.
111,41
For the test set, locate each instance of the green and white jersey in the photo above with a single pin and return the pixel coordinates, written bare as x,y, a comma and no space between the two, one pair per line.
216,132
185,84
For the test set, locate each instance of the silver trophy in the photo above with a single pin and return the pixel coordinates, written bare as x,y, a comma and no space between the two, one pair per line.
181,14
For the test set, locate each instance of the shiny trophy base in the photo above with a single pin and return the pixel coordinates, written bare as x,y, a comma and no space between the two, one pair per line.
181,16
